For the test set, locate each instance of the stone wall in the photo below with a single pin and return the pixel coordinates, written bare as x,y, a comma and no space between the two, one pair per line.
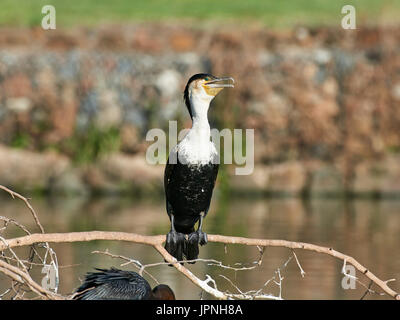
324,103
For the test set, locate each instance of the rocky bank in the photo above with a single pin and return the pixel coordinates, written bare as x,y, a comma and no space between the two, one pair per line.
75,105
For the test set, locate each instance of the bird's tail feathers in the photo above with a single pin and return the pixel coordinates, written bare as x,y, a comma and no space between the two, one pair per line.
183,247
191,248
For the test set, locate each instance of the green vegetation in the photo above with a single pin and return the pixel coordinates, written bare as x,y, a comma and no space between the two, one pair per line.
21,141
268,12
86,147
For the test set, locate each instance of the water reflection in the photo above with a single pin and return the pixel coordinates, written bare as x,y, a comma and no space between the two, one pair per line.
368,230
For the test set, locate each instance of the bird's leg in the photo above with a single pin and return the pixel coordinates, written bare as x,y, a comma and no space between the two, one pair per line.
194,239
175,242
202,235
172,223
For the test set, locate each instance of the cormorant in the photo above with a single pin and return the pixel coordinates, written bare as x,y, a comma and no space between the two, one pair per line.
192,169
115,284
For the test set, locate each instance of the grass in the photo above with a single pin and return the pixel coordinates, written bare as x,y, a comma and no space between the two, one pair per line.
271,13
86,147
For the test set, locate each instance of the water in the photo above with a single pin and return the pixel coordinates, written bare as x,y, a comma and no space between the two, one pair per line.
365,229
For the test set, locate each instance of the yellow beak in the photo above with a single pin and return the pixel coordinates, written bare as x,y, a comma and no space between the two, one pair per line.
214,86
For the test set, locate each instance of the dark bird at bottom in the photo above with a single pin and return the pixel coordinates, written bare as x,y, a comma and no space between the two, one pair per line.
192,169
115,284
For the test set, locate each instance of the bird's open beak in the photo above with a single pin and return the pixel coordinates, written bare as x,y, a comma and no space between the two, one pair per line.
225,82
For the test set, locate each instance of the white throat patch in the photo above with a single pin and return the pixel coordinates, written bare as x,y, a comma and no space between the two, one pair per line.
196,148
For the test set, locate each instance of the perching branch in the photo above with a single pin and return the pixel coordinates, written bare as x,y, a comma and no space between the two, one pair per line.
19,273
157,241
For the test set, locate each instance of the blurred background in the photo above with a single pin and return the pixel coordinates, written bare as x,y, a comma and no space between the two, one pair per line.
76,104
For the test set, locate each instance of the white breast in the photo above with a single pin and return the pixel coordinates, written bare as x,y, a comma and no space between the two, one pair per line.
195,149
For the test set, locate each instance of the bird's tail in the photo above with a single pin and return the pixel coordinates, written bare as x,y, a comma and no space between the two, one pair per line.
183,247
191,248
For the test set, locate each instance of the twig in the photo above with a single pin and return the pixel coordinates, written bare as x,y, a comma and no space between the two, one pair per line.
302,272
22,277
368,290
26,201
33,252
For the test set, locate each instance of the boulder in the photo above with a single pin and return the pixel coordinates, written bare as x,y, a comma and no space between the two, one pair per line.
26,170
287,178
326,179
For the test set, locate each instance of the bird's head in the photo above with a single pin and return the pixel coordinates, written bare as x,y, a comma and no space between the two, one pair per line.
203,87
163,292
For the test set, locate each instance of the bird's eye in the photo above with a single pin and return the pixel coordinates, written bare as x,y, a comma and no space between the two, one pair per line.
207,78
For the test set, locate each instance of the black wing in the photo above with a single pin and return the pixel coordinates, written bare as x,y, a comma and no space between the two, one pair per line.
113,284
169,169
215,171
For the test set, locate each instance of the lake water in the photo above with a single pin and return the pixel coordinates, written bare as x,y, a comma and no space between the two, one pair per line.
368,230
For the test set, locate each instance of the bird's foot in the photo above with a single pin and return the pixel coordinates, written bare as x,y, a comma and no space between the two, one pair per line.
202,237
174,244
199,236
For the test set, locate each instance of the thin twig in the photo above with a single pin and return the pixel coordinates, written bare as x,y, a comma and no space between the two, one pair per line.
26,201
22,277
302,272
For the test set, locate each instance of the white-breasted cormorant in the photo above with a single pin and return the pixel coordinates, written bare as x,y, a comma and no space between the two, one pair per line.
192,169
115,284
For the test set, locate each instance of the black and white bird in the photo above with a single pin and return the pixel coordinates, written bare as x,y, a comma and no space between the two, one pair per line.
192,169
115,284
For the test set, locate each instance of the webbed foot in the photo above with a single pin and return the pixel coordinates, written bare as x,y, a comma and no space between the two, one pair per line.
174,244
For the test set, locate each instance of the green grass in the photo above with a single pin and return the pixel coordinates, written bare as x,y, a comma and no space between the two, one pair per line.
88,146
272,13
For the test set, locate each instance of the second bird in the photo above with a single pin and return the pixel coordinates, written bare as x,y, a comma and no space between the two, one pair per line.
192,169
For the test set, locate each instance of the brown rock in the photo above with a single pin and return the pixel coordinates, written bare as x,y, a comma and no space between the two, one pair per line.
326,180
27,170
17,85
378,177
62,40
144,41
130,138
131,168
182,41
287,178
121,173
112,39
255,182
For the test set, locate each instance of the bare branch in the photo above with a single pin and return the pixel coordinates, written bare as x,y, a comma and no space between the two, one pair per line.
21,277
302,272
157,241
26,201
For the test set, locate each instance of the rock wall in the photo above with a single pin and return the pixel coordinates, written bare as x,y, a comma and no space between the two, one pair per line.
324,103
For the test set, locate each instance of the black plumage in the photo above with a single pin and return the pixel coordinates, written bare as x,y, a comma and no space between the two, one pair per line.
189,184
115,284
188,191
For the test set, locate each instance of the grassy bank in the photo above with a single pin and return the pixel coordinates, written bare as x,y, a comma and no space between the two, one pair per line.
269,12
